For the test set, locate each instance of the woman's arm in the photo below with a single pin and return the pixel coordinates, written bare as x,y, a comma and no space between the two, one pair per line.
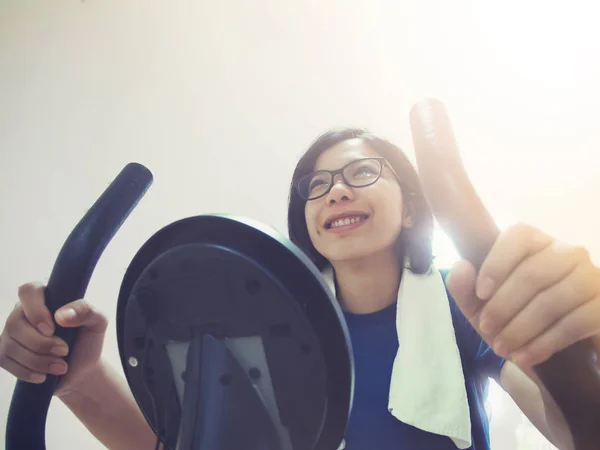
533,399
105,405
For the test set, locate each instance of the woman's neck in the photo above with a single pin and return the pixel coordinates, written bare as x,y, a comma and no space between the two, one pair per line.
368,285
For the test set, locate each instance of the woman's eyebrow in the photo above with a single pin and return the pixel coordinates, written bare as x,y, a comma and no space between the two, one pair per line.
342,164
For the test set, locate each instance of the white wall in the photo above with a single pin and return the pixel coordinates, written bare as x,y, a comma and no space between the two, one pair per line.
218,99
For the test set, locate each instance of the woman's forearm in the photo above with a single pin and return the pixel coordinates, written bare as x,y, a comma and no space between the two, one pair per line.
530,395
105,405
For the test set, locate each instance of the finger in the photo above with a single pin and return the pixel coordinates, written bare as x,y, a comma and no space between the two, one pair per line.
19,329
461,285
580,324
9,348
21,372
80,313
33,302
568,267
511,247
547,308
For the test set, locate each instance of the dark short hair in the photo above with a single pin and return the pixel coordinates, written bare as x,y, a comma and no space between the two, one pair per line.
415,242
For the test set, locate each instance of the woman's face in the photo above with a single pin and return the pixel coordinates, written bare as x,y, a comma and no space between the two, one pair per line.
375,212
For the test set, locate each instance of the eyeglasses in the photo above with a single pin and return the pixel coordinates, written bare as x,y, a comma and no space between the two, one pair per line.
358,173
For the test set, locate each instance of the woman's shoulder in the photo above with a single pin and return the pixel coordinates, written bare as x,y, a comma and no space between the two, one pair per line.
456,313
475,352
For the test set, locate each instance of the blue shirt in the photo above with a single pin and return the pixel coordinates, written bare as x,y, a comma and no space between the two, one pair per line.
375,344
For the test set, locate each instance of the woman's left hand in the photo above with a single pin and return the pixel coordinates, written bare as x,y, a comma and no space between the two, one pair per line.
533,296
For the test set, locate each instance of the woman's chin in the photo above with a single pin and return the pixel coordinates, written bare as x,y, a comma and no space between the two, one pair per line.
363,250
347,255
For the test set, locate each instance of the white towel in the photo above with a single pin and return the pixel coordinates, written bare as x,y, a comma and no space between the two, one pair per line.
427,387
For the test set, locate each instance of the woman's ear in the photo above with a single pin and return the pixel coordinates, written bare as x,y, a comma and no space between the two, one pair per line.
409,213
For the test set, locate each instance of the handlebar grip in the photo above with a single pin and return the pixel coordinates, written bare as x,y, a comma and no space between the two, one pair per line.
68,281
570,376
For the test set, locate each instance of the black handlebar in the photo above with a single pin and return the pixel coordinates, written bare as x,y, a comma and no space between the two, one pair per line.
570,375
69,280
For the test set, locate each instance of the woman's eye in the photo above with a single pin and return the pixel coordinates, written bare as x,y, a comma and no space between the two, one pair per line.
316,183
364,170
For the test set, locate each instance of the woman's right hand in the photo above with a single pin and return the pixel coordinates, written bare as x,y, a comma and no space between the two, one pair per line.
29,350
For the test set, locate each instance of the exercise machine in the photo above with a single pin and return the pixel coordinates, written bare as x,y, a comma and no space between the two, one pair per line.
228,335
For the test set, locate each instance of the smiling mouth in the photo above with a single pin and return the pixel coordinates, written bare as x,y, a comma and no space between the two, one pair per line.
350,220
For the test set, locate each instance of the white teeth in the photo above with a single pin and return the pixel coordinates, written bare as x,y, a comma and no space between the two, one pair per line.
346,221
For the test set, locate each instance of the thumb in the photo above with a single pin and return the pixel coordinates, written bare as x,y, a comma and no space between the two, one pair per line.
81,314
34,307
461,284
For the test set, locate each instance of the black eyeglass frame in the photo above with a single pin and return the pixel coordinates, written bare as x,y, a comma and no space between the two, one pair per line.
332,173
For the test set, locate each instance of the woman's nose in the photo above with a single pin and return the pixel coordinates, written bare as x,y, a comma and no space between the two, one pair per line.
340,191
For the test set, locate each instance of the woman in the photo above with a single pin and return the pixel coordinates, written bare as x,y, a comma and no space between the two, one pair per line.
370,219
356,208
